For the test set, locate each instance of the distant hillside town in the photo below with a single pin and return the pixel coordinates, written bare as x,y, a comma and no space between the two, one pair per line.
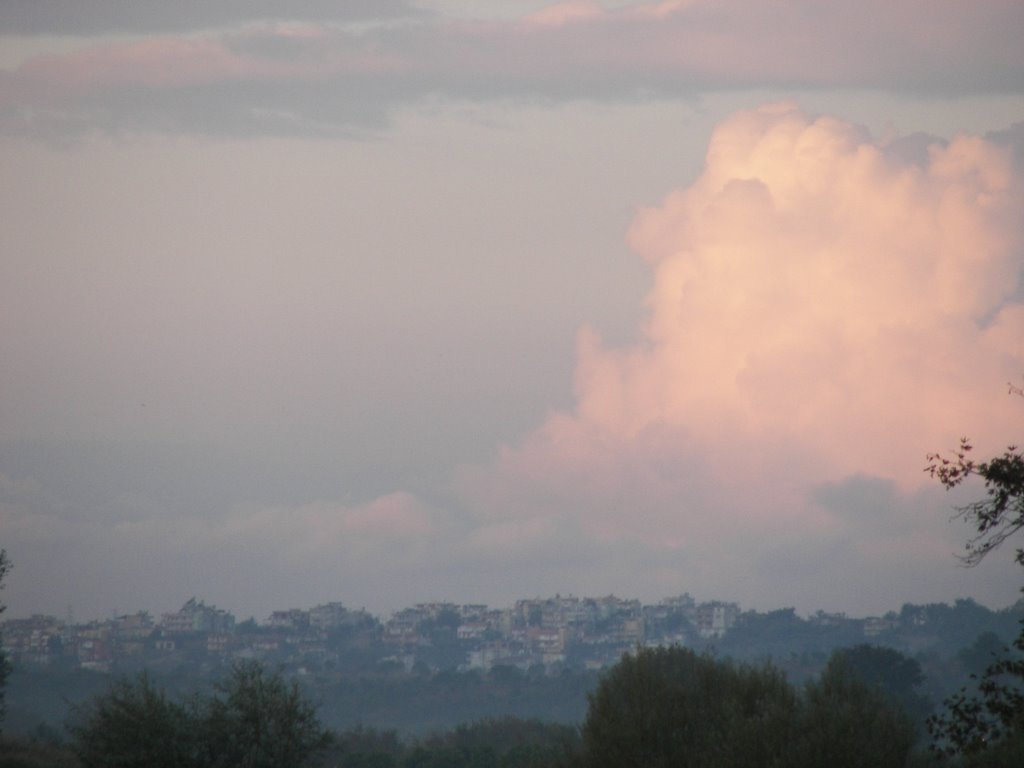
550,634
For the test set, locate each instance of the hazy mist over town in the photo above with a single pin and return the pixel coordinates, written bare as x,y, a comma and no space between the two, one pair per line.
476,309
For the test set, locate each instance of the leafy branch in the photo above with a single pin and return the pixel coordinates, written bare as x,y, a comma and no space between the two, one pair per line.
972,722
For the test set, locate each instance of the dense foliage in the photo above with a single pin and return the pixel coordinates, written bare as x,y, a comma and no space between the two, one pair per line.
667,706
674,707
259,721
886,671
5,565
844,722
136,724
503,743
656,707
254,720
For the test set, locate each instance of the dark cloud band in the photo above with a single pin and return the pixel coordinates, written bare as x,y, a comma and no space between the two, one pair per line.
101,17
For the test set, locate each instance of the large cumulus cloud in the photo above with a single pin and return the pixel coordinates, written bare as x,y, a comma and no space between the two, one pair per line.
825,308
822,310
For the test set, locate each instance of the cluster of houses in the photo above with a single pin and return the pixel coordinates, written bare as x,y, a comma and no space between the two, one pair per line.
587,632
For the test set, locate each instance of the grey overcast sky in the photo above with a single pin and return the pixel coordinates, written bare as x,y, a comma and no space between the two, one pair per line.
394,301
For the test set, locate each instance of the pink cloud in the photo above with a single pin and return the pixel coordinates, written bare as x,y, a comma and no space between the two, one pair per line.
565,13
574,49
168,62
160,63
716,43
397,515
312,532
819,310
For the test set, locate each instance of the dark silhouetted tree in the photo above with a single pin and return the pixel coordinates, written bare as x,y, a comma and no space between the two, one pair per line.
135,725
5,566
255,720
845,723
362,747
673,707
892,674
973,722
986,648
1001,513
259,720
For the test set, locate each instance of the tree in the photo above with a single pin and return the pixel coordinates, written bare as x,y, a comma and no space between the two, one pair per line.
1001,513
362,747
5,668
977,657
258,720
135,725
890,673
845,723
673,707
508,742
255,720
972,722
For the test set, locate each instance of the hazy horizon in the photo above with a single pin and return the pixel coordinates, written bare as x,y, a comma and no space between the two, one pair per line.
70,616
396,302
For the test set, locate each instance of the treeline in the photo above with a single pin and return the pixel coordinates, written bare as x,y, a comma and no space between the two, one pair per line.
667,706
255,718
494,743
367,684
387,696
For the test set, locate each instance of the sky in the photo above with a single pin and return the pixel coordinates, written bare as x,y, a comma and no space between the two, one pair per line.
395,301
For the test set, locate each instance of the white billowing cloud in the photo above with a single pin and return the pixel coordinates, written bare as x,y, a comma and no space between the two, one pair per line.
821,310
809,287
825,309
